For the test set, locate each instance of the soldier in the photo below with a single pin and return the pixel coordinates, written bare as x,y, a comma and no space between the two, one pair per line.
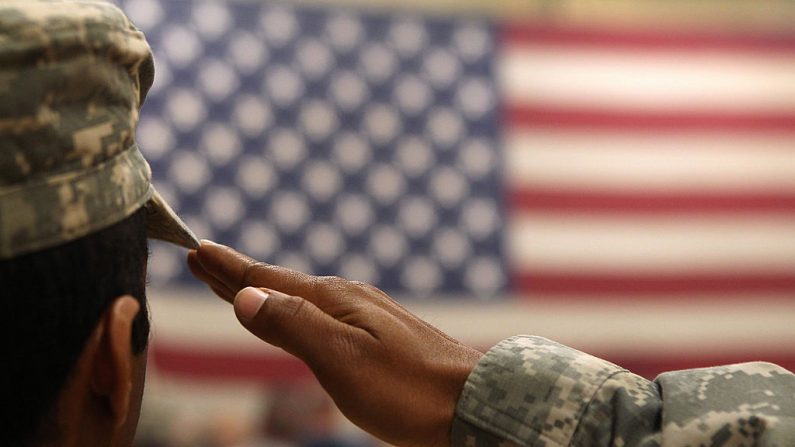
76,208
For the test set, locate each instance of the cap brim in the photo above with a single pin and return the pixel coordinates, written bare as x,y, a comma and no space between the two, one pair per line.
164,224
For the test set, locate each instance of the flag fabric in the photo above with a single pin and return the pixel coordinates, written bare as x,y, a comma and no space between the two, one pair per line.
648,163
632,191
363,146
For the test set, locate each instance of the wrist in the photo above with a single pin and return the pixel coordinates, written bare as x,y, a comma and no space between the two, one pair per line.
453,375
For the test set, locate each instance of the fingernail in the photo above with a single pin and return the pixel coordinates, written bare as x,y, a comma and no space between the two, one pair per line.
248,302
207,242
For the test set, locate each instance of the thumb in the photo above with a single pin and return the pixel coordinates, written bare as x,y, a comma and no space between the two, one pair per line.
289,322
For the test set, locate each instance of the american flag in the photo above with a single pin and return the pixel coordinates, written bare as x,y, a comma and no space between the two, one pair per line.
627,191
364,146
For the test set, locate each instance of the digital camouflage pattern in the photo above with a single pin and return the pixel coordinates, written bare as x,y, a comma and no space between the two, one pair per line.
529,391
73,75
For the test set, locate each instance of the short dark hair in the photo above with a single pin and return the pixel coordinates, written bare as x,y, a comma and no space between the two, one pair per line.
51,301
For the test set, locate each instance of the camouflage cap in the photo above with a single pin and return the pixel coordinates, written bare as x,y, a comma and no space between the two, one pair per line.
73,75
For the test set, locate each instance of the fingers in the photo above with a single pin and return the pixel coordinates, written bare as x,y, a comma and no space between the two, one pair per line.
226,271
291,323
235,271
216,285
224,264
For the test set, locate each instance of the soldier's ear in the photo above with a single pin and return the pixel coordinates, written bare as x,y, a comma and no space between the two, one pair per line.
112,371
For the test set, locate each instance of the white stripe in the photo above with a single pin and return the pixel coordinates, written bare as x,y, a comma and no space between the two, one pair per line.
652,244
198,403
685,161
748,324
650,80
193,320
187,316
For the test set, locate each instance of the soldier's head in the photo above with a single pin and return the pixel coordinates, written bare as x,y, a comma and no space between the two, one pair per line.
76,209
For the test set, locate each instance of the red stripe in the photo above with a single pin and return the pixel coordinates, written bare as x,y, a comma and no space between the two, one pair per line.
642,40
526,116
649,203
630,286
196,364
227,365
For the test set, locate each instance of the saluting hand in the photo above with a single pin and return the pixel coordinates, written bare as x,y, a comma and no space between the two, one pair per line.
388,371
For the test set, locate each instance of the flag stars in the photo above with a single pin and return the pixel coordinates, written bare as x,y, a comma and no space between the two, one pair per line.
344,32
317,119
189,171
181,45
450,247
441,67
385,183
278,25
412,94
472,42
313,57
286,148
485,276
476,158
414,155
448,186
350,152
408,37
251,115
324,243
217,80
185,109
475,97
354,213
283,86
445,127
246,52
382,123
387,244
258,239
348,90
146,14
480,218
417,216
255,176
212,19
220,143
155,138
223,206
289,210
378,62
321,180
421,275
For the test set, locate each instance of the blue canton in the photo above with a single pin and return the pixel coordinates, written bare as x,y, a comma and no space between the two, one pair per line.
336,142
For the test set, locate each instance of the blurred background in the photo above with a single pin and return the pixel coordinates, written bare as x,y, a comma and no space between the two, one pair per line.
618,176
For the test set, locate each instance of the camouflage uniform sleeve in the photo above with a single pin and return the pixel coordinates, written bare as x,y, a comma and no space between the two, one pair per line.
748,404
530,391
